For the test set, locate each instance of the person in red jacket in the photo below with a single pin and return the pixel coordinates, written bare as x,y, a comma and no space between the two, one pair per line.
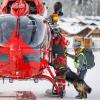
58,43
58,47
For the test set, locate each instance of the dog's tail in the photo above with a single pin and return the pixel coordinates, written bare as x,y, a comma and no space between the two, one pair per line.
74,79
88,89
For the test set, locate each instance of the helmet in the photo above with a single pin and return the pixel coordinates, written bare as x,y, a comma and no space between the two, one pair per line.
58,7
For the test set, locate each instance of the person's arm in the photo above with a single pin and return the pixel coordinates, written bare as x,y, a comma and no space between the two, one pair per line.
70,55
65,42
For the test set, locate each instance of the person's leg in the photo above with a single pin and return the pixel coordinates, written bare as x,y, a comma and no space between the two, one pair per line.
82,74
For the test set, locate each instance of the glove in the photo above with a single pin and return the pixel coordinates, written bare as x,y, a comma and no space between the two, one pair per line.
65,54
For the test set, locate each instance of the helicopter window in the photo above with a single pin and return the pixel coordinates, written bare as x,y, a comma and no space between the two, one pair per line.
32,58
26,28
3,58
32,7
7,26
9,6
32,30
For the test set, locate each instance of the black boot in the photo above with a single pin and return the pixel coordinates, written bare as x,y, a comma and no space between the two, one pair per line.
79,96
54,92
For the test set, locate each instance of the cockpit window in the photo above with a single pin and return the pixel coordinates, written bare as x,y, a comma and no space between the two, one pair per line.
7,26
32,30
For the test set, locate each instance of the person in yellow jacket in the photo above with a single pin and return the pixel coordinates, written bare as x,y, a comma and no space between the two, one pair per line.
79,62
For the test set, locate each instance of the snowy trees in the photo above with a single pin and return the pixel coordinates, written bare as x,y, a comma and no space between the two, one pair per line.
77,7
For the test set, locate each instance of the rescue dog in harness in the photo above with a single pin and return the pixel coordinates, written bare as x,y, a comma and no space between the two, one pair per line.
79,85
73,78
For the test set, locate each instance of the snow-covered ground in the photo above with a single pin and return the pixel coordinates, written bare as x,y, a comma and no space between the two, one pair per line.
38,89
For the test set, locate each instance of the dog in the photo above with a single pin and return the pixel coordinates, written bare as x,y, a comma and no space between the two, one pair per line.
80,85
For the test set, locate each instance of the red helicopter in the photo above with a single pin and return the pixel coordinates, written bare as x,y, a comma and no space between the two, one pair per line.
24,43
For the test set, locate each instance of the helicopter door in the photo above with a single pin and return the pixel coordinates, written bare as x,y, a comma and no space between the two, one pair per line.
7,26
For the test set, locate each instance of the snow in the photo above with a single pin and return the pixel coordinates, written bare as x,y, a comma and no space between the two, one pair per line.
38,89
72,29
73,26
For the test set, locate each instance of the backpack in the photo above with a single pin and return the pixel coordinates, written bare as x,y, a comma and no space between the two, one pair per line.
58,48
88,53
